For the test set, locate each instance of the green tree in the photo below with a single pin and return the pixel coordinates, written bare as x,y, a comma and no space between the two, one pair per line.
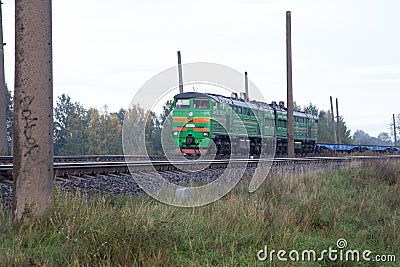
166,128
104,132
167,109
121,115
311,109
153,127
75,138
62,113
134,125
345,133
153,134
384,139
70,123
296,107
325,132
362,138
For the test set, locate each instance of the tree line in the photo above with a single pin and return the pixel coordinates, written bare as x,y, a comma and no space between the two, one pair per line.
82,131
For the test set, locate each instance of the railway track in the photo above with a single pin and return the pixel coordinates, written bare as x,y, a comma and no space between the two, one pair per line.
78,166
114,177
91,158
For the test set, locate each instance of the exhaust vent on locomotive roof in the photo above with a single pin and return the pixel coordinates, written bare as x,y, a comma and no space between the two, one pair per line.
273,103
243,96
234,95
282,104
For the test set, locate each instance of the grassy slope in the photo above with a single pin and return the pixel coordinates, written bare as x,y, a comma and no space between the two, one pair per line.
288,212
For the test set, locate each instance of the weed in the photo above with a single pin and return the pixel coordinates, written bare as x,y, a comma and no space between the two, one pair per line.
287,212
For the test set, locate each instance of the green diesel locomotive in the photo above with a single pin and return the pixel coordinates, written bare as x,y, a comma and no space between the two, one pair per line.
209,123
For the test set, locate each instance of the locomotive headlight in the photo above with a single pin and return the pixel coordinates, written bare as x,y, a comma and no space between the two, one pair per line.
206,134
176,133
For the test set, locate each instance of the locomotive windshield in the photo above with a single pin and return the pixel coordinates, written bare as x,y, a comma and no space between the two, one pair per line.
183,103
201,103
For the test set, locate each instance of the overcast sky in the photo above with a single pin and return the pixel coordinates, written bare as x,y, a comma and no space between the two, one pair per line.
103,51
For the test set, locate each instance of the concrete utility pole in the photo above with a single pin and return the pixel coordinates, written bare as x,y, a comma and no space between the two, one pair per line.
290,130
180,73
394,131
246,86
33,109
333,123
339,133
3,107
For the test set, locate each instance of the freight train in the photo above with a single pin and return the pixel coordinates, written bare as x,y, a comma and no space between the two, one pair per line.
205,123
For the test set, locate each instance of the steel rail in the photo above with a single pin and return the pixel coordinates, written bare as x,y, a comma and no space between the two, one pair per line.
91,158
64,169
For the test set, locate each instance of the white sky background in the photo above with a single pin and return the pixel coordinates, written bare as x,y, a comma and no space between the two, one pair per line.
103,51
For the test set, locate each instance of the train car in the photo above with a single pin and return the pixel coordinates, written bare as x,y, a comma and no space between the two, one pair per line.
305,128
210,123
348,148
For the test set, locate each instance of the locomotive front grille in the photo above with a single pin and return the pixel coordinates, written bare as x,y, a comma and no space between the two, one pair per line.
189,140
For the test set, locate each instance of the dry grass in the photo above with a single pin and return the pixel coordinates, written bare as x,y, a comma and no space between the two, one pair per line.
288,212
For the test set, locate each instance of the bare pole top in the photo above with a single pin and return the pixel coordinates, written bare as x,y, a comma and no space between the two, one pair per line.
179,56
339,137
180,76
394,130
333,122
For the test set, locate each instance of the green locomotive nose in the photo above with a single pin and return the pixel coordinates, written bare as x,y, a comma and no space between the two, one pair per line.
192,124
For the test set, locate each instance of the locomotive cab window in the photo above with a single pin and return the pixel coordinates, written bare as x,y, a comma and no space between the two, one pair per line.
201,103
183,103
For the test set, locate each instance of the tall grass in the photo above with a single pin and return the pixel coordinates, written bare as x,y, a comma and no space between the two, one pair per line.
310,211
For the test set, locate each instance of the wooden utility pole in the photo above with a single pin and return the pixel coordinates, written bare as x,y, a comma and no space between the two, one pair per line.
333,123
180,73
290,130
246,86
3,107
394,131
339,133
33,108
